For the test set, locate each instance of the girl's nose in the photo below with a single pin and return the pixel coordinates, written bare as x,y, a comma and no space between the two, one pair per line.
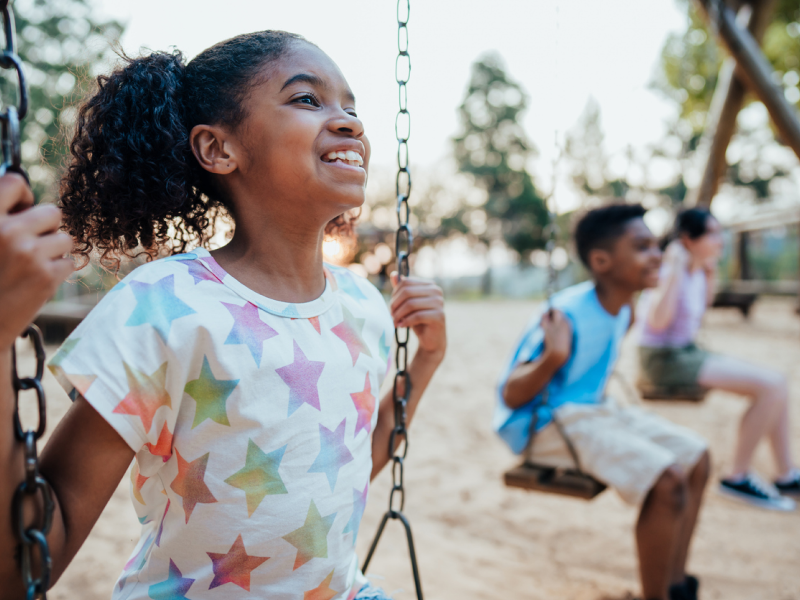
348,124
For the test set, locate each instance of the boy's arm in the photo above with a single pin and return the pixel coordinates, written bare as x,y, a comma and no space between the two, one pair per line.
528,379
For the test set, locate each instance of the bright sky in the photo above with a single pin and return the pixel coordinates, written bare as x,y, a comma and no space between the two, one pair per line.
562,52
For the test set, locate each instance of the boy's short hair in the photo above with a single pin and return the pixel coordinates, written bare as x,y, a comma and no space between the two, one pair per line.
598,228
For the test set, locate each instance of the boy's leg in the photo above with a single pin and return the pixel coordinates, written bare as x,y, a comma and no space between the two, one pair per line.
645,459
696,486
659,530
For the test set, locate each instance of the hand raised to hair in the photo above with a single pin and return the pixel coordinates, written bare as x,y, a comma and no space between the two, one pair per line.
419,304
31,251
676,255
557,336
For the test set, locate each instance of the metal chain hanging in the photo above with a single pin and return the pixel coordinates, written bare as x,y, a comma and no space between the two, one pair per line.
34,536
403,244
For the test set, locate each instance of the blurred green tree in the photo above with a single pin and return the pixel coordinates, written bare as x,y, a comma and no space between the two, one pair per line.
62,44
690,63
493,149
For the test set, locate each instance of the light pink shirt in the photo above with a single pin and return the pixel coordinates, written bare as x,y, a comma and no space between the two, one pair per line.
688,315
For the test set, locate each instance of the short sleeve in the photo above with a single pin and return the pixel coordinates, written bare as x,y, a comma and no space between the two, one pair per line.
119,359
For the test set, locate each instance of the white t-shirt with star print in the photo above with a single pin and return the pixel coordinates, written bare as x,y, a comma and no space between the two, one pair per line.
251,420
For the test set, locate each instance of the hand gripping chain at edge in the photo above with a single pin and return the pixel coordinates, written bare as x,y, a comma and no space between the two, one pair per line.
403,244
32,537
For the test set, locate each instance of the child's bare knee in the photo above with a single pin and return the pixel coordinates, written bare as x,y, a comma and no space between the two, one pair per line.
671,490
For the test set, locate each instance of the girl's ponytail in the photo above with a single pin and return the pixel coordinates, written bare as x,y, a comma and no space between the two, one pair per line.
133,175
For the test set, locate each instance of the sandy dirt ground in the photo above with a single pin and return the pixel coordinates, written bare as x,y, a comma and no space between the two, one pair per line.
477,539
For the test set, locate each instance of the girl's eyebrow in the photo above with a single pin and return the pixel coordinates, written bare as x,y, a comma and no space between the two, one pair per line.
315,81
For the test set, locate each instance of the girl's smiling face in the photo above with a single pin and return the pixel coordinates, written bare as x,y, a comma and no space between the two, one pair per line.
301,149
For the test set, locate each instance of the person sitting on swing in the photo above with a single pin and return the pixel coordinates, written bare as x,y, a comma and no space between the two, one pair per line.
570,351
670,358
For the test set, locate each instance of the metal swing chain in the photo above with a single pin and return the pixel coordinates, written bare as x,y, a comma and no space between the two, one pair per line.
401,388
33,536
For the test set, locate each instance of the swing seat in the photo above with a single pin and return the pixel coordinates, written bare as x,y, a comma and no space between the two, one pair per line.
552,480
691,393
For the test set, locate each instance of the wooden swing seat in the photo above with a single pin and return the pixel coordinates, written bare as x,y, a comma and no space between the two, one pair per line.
691,393
552,480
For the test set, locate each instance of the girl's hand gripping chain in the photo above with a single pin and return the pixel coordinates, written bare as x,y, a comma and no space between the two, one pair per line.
419,304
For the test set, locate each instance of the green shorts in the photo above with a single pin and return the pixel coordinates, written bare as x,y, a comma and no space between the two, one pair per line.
671,368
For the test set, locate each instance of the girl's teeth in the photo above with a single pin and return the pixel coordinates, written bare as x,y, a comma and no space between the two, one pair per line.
349,157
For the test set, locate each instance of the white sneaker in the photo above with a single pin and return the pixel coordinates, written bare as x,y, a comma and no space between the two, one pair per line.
753,490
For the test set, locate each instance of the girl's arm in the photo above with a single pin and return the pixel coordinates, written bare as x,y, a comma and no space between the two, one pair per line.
83,461
711,280
664,302
528,379
417,304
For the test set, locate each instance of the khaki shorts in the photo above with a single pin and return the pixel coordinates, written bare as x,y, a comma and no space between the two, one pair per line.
626,448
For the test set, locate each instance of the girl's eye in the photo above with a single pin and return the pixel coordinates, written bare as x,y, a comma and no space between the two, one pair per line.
352,113
308,99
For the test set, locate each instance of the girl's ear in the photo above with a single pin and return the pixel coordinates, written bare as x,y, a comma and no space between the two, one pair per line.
212,147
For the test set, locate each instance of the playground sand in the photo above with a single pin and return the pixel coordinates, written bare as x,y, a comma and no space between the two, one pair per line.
479,540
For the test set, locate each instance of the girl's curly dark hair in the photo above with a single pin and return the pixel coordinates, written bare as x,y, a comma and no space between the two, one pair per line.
133,185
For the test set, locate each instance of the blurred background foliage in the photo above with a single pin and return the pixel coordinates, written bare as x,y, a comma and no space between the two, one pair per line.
485,192
62,45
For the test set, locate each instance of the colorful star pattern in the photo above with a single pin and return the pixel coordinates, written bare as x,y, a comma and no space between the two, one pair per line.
315,324
259,477
147,394
365,406
350,331
210,394
199,272
301,376
249,329
323,591
82,383
188,396
349,286
161,525
311,540
136,562
359,504
234,566
384,348
66,349
333,453
189,484
157,304
213,265
162,447
137,482
173,588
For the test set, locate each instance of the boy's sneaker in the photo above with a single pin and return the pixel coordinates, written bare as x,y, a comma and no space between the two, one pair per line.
753,490
790,487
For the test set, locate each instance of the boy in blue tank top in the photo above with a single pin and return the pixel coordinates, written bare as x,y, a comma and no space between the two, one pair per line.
571,351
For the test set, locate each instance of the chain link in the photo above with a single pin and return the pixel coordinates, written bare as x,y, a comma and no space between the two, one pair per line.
34,553
404,240
32,537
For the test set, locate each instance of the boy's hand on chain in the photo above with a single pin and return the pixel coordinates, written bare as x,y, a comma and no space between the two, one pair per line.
557,336
32,263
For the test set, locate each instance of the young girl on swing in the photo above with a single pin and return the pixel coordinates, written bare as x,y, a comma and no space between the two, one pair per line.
670,319
243,381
